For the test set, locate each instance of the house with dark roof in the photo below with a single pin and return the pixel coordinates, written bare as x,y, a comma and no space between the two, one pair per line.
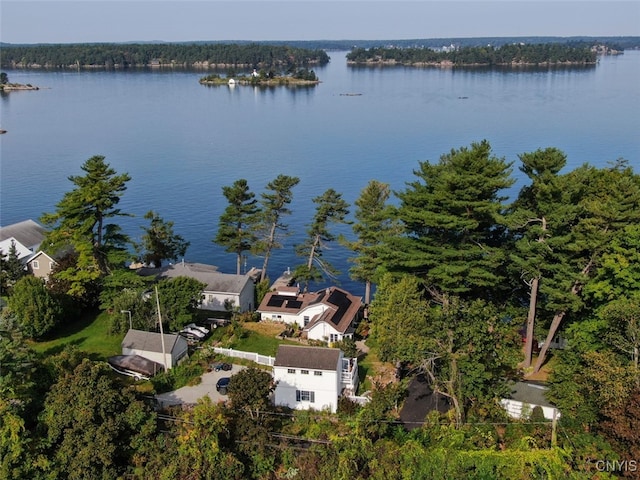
149,345
328,315
221,290
524,397
313,377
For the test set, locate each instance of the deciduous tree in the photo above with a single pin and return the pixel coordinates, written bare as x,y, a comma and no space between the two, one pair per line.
35,310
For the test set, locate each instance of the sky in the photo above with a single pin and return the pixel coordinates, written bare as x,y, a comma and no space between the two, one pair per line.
54,21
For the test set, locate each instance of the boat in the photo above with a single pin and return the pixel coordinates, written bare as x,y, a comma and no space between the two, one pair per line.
135,366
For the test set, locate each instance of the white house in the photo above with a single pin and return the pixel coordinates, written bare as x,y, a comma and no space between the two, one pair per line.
149,345
221,289
524,397
27,235
328,315
312,377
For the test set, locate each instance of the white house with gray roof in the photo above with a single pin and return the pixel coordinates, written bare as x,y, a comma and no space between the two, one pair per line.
27,236
221,289
149,345
313,377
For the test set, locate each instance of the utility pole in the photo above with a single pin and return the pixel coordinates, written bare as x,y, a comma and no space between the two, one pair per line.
164,355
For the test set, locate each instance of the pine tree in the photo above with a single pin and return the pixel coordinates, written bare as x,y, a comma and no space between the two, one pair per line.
236,230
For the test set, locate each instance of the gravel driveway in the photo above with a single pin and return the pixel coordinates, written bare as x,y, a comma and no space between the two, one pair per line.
190,395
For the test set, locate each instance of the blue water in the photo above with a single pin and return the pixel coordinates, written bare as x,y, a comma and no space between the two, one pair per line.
181,142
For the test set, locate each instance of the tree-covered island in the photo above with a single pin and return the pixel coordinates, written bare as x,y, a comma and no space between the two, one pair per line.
301,77
517,54
201,55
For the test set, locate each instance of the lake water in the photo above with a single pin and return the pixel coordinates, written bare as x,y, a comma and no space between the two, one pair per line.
181,142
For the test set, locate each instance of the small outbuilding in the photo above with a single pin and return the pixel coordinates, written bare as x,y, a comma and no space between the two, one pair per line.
149,345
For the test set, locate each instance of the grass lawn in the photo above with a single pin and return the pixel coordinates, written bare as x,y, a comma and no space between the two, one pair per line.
90,335
261,338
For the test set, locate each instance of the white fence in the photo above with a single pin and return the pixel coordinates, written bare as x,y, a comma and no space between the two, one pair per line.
254,357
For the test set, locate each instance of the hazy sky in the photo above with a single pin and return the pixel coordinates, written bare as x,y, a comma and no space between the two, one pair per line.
53,21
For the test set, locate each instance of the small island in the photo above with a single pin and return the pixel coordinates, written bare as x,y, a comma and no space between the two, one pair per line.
303,77
6,86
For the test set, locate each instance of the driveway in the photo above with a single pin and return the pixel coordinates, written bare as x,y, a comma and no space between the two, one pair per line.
190,395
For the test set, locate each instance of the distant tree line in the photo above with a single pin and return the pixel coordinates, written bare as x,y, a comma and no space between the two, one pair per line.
176,54
532,54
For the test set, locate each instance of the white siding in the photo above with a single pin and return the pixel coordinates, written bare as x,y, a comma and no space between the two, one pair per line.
326,388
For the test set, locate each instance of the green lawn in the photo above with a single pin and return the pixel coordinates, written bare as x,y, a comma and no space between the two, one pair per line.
264,345
90,335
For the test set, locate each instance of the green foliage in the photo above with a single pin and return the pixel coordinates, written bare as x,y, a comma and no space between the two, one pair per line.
511,54
375,223
274,206
177,377
176,54
80,222
453,217
179,299
330,209
236,230
11,268
249,391
91,424
35,310
131,301
159,242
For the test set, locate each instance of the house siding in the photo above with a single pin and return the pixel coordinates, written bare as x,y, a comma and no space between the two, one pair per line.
326,389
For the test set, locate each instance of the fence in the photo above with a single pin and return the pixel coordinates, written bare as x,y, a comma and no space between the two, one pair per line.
254,357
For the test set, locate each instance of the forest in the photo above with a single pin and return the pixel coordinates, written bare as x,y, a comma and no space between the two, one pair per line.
508,54
465,284
122,55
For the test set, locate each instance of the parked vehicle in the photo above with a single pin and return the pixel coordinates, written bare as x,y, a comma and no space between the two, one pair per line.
192,331
198,327
222,385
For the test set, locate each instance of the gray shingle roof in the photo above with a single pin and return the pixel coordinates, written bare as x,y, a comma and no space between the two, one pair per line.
208,274
313,358
28,233
151,341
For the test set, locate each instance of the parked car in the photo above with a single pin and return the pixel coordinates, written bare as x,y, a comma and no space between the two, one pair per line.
193,331
198,327
222,385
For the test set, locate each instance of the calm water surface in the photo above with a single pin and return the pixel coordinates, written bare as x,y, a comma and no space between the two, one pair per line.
181,142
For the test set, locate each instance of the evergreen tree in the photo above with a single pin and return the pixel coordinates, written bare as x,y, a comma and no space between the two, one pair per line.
330,209
274,205
374,224
159,242
11,268
81,222
453,217
236,230
538,219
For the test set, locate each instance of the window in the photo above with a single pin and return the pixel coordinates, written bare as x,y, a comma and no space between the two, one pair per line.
51,265
306,320
304,372
291,370
36,265
305,396
317,373
333,337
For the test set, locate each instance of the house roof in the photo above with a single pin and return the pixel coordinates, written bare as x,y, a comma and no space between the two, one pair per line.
313,358
39,253
530,393
28,233
151,341
340,309
215,281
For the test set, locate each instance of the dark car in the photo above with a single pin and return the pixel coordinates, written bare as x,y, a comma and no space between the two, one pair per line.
222,366
222,385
